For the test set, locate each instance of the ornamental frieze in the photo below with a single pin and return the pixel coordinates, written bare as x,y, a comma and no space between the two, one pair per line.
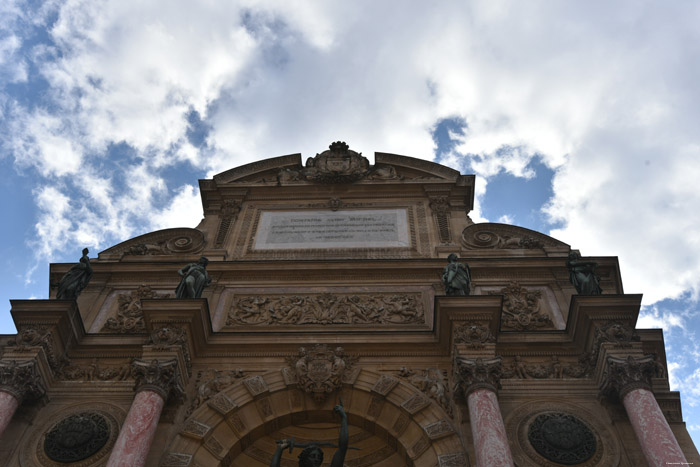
522,309
554,368
129,317
94,372
320,370
326,308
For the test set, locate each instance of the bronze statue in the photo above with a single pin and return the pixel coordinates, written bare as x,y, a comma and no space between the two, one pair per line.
582,275
75,280
194,279
312,455
457,277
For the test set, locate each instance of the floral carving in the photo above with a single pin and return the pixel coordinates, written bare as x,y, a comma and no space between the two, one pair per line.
541,370
433,382
521,308
22,380
129,314
158,376
320,370
479,373
474,335
357,309
167,337
94,372
37,336
626,374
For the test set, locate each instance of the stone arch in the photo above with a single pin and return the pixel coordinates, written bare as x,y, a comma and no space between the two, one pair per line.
223,427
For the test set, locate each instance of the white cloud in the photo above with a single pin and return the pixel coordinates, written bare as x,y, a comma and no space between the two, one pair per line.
185,210
609,104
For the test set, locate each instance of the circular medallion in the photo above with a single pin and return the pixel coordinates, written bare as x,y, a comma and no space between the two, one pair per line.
76,437
562,438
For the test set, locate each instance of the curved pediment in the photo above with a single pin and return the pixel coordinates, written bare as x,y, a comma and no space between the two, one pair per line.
178,241
495,236
337,164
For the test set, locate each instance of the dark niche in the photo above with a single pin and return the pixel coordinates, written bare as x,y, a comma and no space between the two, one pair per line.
76,437
562,438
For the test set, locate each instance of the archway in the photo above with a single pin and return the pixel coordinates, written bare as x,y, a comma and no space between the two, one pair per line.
393,422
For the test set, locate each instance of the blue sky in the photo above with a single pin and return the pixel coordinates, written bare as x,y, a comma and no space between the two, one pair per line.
579,119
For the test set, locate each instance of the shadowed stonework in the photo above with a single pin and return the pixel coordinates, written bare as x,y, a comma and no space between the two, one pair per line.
336,279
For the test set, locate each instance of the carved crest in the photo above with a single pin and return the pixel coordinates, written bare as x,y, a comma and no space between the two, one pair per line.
521,308
338,164
129,315
320,370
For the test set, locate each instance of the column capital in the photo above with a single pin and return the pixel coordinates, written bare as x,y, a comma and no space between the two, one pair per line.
623,375
157,376
478,373
22,380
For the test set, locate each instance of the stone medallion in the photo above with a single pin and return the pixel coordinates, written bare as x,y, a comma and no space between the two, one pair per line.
550,433
76,437
562,438
81,435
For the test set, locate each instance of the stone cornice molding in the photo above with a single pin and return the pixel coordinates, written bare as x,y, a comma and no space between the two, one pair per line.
160,377
478,373
21,380
623,375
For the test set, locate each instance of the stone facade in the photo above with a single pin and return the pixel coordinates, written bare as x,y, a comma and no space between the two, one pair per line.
326,285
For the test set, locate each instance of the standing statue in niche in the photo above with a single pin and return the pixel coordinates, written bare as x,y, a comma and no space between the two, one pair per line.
194,279
75,280
582,275
312,455
457,277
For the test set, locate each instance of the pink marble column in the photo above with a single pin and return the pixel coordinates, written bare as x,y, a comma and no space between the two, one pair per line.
655,436
137,434
490,441
155,382
8,406
479,379
630,379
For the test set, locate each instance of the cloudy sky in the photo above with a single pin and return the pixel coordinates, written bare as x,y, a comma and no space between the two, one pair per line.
580,119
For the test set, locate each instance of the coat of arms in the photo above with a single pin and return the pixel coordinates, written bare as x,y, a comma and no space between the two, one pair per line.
320,370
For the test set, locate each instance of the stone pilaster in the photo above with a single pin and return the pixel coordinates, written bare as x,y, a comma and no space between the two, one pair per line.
630,379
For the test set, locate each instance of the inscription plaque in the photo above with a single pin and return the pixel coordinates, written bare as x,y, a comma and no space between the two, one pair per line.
369,228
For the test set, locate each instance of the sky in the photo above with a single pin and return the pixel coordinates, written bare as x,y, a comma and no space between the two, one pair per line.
580,120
